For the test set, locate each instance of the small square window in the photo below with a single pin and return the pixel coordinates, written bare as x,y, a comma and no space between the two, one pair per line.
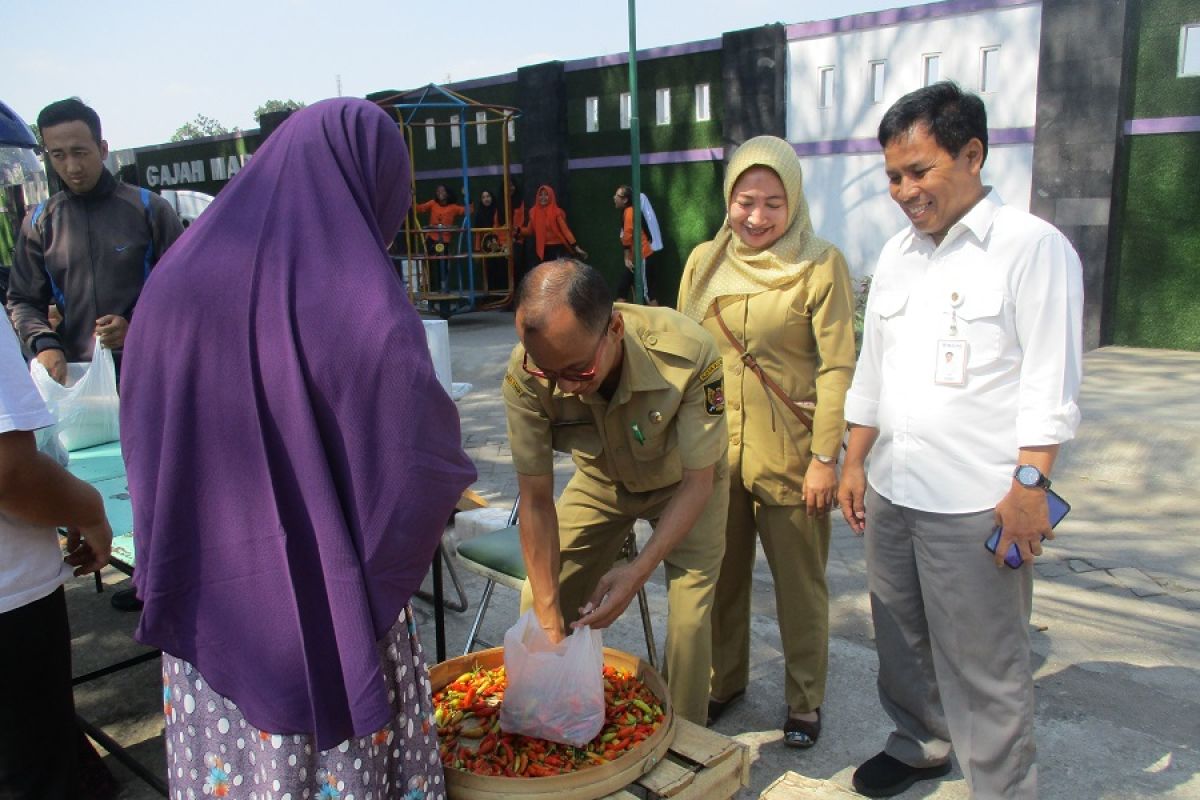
703,109
878,80
825,77
1189,51
933,68
626,112
480,127
430,135
454,133
989,69
592,114
662,107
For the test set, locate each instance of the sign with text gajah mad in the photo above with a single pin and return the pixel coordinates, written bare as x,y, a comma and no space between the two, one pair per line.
203,165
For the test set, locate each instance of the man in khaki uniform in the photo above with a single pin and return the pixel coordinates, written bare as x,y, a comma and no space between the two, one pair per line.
635,395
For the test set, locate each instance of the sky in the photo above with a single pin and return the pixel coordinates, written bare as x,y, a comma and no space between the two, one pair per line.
149,66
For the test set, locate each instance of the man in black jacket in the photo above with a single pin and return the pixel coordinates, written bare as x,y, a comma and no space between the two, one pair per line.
88,249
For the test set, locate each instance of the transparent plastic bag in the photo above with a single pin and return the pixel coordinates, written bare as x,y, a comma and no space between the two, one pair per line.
87,408
555,692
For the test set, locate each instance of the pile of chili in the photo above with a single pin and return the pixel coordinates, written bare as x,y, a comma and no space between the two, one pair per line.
466,712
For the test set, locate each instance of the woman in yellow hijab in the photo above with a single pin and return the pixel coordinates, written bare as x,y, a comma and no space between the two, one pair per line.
779,303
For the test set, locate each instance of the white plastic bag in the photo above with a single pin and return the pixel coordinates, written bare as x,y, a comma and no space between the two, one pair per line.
555,692
87,407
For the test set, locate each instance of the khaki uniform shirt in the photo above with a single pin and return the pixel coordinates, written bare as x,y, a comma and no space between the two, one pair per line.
803,337
667,413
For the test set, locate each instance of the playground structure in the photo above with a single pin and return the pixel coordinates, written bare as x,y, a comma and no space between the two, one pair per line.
457,269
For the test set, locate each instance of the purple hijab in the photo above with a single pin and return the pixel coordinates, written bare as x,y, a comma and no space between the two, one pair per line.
292,459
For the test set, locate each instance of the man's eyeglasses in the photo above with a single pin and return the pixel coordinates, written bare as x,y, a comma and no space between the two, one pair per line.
569,375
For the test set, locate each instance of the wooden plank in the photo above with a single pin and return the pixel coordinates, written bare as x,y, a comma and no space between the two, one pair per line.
701,745
668,778
620,794
792,786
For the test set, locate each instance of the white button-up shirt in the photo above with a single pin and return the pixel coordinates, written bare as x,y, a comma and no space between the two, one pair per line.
1011,286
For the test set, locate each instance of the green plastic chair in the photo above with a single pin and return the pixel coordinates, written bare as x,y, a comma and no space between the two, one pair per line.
496,556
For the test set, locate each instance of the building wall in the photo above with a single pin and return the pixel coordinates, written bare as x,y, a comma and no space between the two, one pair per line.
1153,299
844,181
680,161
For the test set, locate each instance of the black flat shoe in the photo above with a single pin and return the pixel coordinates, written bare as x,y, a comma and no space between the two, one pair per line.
801,733
126,600
884,776
718,707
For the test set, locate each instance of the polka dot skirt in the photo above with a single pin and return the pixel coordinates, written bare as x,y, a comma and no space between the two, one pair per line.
213,752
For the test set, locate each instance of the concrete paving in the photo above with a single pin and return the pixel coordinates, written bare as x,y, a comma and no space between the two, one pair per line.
1116,621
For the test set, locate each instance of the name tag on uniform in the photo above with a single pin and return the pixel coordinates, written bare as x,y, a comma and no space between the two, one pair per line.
950,367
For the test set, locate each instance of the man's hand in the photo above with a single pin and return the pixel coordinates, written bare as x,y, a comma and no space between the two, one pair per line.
55,363
1026,518
820,487
612,596
580,253
88,549
851,492
111,330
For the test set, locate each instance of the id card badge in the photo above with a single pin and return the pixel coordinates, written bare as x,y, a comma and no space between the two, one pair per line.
950,368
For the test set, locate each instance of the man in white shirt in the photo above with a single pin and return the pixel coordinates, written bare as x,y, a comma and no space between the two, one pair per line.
966,386
40,743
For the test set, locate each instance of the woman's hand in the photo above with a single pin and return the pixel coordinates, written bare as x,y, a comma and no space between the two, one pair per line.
820,487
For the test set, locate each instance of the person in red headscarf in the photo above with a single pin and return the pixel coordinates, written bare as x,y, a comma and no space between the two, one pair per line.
552,239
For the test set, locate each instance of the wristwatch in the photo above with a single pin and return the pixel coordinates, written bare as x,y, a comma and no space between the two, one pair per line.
824,459
1031,477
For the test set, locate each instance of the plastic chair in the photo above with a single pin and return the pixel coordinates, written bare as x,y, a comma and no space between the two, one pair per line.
496,555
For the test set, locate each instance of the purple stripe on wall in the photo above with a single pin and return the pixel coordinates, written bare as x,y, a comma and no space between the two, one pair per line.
1139,127
615,59
829,147
474,172
896,16
669,157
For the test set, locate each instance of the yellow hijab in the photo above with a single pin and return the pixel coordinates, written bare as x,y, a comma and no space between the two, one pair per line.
729,267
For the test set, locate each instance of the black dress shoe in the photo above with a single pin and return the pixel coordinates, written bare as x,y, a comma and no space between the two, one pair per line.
884,776
126,600
718,707
802,733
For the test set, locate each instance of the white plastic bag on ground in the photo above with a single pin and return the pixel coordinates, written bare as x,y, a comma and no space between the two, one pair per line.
87,407
555,692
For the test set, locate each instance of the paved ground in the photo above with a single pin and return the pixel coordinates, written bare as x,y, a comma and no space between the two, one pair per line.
1116,618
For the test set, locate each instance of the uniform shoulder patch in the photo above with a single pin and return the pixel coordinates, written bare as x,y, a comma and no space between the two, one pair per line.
714,397
709,370
515,384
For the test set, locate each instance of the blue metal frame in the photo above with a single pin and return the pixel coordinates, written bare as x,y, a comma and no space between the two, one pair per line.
449,100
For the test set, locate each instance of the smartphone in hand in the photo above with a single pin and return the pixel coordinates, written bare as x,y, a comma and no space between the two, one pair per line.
1058,509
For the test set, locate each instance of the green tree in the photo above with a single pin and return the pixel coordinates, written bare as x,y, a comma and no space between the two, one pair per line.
276,105
199,127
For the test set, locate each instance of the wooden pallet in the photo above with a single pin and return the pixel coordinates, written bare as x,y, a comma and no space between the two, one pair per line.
701,765
791,786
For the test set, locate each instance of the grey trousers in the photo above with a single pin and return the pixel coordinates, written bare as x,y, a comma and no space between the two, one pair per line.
951,631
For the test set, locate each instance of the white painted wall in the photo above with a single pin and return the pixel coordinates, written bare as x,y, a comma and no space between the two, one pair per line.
850,206
847,194
959,39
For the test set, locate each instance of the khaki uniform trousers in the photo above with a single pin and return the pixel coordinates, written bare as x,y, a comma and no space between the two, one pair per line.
594,519
797,548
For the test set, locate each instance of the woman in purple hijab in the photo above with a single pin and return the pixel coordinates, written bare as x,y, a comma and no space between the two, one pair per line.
292,461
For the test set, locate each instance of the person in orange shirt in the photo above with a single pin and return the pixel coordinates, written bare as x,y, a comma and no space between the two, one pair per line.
623,200
443,211
552,239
